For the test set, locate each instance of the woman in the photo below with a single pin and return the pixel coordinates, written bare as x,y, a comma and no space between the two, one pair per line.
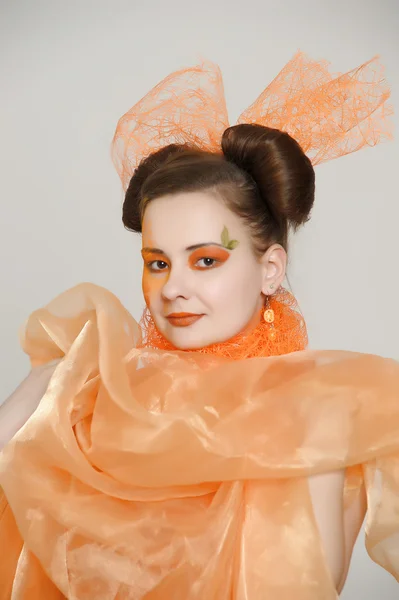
212,457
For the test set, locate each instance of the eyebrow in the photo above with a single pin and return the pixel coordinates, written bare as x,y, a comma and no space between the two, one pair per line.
188,249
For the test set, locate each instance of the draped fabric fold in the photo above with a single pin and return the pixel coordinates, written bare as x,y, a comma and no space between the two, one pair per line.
153,474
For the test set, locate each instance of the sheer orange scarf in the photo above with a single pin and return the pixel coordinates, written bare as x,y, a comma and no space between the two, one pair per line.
150,474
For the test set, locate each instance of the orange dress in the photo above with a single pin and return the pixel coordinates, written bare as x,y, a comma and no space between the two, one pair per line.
150,474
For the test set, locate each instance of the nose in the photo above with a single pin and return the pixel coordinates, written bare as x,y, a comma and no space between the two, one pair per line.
177,285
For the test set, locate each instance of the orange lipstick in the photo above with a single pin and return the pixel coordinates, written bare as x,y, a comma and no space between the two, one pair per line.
183,319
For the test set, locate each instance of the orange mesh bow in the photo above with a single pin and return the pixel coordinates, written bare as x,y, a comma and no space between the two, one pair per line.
329,115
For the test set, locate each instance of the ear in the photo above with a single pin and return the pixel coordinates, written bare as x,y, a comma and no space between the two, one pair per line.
274,262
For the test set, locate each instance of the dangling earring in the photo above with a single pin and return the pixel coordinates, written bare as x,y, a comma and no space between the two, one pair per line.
268,316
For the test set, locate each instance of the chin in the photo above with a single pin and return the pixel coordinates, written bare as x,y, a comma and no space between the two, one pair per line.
186,338
185,342
193,341
195,337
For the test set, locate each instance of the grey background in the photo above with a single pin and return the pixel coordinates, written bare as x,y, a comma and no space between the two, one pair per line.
69,70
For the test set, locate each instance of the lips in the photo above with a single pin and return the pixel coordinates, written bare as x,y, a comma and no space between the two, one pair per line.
183,319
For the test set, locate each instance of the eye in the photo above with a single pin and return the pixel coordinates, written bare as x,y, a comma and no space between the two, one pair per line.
157,265
207,262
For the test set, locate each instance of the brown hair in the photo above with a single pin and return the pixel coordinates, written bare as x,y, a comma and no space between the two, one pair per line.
262,175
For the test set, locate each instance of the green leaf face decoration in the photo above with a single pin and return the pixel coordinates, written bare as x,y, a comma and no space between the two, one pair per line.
226,241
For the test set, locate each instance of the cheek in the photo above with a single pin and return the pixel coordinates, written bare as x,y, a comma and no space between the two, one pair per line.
236,284
216,293
152,287
222,288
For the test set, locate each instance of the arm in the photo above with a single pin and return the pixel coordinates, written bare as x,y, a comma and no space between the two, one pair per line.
22,403
353,521
338,527
326,492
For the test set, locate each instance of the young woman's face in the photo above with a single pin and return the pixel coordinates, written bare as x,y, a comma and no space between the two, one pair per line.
202,281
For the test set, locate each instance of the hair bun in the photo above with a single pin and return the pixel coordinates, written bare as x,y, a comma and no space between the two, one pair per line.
283,174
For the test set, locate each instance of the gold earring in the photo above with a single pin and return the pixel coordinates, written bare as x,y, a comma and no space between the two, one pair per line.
268,316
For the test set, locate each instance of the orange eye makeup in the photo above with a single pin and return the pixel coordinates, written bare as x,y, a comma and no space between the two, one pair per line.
216,254
155,262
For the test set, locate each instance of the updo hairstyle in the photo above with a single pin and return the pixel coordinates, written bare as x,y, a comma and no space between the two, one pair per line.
261,174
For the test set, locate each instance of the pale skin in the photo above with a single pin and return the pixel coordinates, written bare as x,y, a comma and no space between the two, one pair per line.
189,268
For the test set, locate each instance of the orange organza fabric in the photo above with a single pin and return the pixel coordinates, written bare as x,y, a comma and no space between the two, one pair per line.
153,474
329,115
287,334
